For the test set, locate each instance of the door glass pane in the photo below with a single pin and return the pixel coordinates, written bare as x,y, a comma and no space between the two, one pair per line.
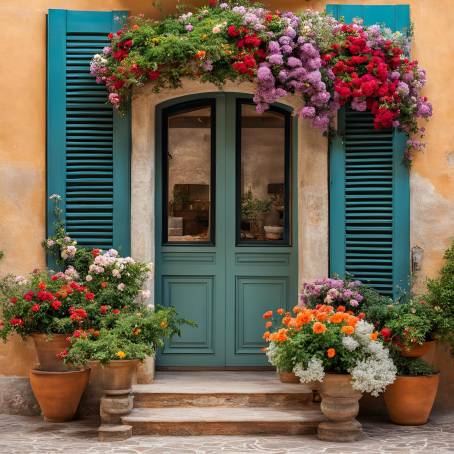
263,189
189,179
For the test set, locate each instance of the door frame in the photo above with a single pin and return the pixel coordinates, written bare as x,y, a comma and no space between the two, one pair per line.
229,102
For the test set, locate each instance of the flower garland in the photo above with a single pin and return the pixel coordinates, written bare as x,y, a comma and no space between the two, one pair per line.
328,63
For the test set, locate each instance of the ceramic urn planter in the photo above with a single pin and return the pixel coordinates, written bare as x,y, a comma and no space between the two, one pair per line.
288,377
47,348
340,405
58,393
117,377
409,400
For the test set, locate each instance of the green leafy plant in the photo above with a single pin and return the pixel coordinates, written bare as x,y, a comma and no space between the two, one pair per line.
412,366
252,208
441,297
133,335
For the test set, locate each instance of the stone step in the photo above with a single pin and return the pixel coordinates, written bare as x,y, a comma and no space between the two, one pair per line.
222,421
226,389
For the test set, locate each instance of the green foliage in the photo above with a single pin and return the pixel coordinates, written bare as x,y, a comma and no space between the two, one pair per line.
252,208
441,297
377,307
412,366
412,322
132,335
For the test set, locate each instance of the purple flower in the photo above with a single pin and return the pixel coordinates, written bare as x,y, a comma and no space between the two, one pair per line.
276,59
424,108
286,49
264,74
348,294
321,122
403,88
314,77
189,27
309,50
354,303
294,62
274,47
284,40
290,32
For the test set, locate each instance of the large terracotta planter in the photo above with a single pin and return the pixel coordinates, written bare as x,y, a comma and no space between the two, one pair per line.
58,393
340,405
416,350
409,400
47,348
288,377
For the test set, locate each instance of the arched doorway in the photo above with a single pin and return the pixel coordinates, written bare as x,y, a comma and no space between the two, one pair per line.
226,224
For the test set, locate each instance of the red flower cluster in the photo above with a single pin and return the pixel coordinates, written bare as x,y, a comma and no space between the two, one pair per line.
250,54
362,73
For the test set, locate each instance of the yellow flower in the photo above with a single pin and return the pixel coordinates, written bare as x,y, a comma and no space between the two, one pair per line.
164,324
121,354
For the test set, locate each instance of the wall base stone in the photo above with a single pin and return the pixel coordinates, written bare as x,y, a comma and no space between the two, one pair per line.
16,397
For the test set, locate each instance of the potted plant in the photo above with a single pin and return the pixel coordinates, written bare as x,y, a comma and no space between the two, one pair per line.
342,352
409,400
411,327
47,307
254,211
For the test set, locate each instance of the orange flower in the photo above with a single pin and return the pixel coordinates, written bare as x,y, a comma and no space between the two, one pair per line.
268,314
347,329
362,315
340,308
279,336
280,311
266,336
297,309
331,352
321,316
374,336
286,320
200,54
318,328
135,27
268,324
338,317
304,317
352,320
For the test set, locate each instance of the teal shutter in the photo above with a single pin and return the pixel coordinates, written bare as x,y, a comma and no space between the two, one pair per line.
369,185
88,145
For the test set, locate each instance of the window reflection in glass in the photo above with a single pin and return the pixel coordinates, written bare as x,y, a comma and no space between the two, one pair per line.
189,176
263,187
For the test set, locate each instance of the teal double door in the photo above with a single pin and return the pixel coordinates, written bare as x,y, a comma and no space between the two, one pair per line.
226,232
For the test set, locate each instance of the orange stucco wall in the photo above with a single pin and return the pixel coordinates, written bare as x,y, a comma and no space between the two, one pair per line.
22,133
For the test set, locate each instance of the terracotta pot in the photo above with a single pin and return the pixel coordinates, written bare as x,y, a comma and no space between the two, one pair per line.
409,400
118,375
288,377
58,393
47,348
416,350
340,404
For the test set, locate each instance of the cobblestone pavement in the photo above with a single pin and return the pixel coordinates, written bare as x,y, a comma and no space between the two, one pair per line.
26,435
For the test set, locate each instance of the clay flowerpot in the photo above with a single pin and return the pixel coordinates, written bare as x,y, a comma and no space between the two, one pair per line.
47,348
416,350
340,405
118,375
58,393
409,400
288,377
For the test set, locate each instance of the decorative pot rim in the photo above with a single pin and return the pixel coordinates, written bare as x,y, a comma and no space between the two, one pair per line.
119,362
65,372
418,376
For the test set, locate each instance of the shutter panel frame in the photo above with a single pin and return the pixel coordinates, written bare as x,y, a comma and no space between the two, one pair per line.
397,17
74,125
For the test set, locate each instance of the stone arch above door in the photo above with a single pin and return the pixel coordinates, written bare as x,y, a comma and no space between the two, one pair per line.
312,177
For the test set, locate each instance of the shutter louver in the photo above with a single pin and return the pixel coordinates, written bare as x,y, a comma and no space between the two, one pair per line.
89,146
368,201
87,143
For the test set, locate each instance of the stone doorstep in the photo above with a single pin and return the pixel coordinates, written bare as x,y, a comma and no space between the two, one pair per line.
222,421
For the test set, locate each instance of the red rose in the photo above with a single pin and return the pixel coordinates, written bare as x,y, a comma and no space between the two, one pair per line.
116,311
89,296
28,296
13,300
213,3
16,322
153,75
127,44
269,17
103,309
54,277
76,333
110,35
249,61
42,285
95,252
120,54
56,305
62,354
386,333
368,88
118,84
240,67
36,308
252,41
232,31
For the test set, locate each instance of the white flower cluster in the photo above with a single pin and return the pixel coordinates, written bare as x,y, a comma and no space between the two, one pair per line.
313,372
373,374
377,370
271,353
349,343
